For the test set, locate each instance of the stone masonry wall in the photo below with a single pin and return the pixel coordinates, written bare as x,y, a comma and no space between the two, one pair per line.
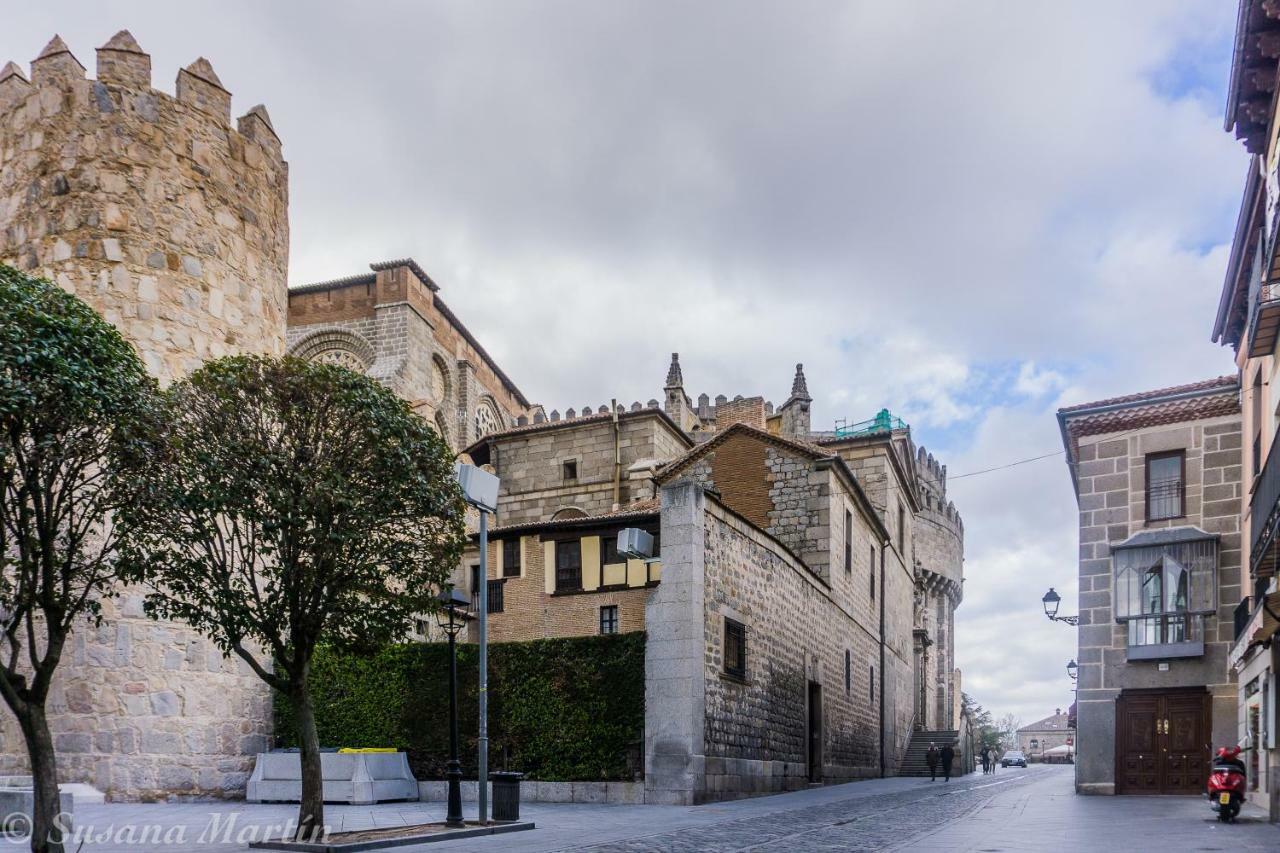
173,224
531,465
1111,481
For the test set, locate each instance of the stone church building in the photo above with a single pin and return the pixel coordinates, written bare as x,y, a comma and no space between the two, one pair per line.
800,614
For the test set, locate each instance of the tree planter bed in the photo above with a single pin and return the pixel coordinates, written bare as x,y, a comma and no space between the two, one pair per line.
399,836
358,778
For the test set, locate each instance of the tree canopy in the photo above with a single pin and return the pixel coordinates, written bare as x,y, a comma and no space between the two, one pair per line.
75,402
293,503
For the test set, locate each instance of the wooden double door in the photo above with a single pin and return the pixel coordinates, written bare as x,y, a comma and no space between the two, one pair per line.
1162,741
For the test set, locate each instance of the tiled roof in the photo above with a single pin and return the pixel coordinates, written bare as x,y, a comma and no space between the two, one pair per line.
1055,723
564,423
1182,403
1225,383
645,509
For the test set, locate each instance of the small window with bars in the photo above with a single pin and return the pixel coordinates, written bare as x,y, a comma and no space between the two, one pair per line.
609,619
735,648
1166,476
511,557
568,565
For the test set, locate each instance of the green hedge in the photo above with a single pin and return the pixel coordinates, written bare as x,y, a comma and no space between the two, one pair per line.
559,710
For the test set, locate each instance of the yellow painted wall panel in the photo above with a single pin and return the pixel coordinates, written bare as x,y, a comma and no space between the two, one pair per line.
614,574
497,560
590,562
635,573
655,572
549,567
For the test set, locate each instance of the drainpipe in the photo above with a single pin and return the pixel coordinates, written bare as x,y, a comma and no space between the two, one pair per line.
617,458
884,546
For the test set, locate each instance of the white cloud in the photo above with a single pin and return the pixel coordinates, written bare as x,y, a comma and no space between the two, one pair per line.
907,197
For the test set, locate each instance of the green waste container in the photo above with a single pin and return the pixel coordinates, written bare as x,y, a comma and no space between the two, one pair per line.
506,795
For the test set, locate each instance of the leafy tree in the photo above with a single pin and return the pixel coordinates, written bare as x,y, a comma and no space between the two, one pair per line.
73,396
985,731
294,504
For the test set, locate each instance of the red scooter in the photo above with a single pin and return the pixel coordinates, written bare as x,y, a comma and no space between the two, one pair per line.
1227,784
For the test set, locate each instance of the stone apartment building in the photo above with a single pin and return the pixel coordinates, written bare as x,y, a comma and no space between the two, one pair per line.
1043,735
1247,320
1158,480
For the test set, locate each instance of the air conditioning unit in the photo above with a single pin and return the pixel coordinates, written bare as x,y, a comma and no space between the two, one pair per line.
635,544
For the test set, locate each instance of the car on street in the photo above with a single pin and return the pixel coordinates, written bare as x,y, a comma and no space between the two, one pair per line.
1013,758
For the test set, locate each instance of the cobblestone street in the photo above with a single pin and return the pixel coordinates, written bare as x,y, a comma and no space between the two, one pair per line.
1014,811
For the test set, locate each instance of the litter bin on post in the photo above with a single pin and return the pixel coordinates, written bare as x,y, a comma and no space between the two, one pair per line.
506,795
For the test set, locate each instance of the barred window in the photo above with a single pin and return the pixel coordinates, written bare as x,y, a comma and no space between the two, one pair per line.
1166,476
735,648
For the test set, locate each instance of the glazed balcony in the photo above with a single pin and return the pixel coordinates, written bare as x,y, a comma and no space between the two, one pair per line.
1264,511
1264,320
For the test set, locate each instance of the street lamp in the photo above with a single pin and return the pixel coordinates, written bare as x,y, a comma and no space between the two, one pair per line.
480,490
1073,669
1051,601
451,617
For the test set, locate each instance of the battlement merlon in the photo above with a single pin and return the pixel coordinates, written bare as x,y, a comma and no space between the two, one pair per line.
123,62
124,85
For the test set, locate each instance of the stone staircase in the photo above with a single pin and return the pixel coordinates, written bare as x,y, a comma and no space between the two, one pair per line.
913,763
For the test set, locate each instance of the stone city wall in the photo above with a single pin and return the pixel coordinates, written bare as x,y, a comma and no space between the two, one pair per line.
173,224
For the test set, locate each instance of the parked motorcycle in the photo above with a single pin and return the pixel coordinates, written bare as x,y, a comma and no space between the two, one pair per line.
1227,783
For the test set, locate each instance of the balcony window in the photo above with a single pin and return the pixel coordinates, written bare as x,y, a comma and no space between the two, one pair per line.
1166,475
511,557
1164,586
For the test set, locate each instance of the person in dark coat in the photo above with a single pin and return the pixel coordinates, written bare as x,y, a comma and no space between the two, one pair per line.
931,758
948,756
986,760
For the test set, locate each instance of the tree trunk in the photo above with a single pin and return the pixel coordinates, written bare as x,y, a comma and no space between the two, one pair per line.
311,809
46,826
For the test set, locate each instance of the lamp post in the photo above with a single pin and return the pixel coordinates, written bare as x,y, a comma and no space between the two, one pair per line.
1051,601
451,617
480,490
1073,670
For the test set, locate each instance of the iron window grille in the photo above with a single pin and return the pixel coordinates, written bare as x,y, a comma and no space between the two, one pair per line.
1166,485
735,648
495,595
609,619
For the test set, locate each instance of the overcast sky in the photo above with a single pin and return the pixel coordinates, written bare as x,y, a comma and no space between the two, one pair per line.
971,213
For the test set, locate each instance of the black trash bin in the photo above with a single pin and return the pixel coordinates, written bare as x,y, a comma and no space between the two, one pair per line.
506,795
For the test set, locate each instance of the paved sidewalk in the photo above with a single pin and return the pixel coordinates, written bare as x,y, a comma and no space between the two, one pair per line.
1014,810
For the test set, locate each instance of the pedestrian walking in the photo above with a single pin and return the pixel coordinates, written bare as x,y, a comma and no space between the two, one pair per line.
931,758
948,756
986,761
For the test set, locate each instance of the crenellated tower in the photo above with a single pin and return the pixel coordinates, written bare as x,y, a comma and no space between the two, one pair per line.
153,208
939,555
173,224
